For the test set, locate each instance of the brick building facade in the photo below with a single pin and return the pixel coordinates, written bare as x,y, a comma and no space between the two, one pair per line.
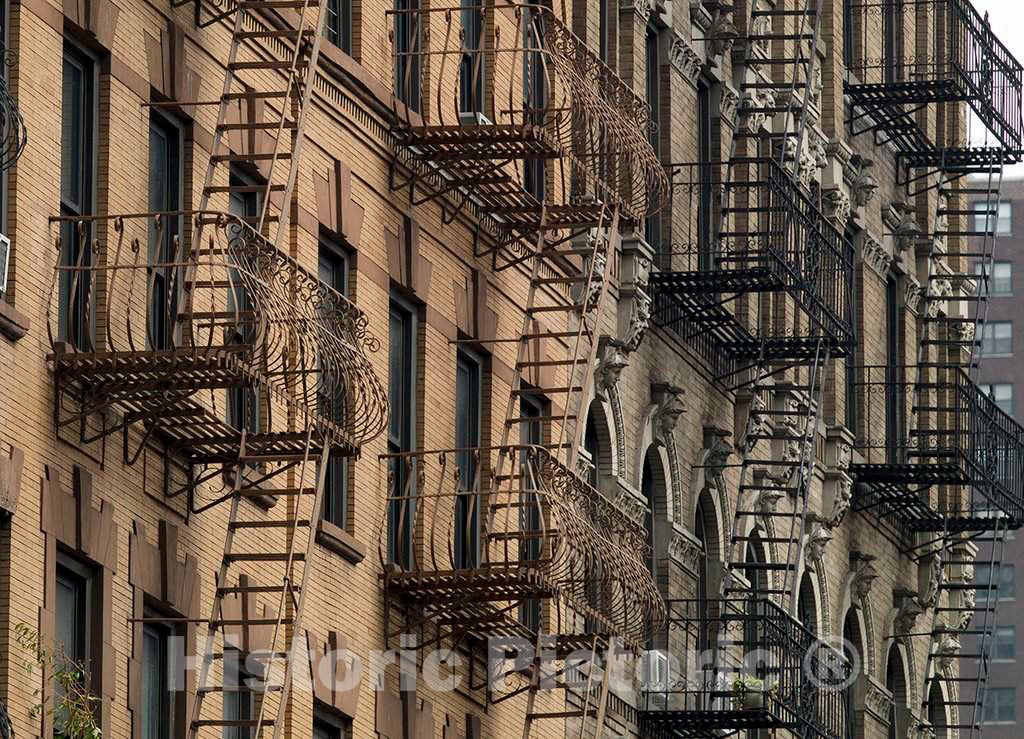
677,264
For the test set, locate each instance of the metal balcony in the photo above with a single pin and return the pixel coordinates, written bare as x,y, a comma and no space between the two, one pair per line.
505,110
912,54
691,679
486,555
146,330
759,234
941,431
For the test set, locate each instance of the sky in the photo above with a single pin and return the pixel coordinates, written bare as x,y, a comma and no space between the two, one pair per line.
1007,19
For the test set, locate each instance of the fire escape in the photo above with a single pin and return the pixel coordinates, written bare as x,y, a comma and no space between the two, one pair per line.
940,459
506,119
192,335
760,282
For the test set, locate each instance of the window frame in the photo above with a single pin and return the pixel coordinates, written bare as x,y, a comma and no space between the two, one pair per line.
993,345
337,489
991,389
467,507
531,432
338,28
652,96
473,61
998,640
402,436
84,578
78,328
990,705
159,336
894,430
340,727
168,698
408,42
245,708
705,211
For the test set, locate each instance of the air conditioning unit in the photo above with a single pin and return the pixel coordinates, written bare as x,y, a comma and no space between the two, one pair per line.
473,118
5,255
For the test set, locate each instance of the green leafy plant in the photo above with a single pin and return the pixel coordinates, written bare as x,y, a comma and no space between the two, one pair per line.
746,685
71,704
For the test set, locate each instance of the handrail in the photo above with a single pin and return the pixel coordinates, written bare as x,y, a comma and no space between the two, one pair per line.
132,284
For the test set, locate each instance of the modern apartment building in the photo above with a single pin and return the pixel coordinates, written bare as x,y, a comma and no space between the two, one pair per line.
410,370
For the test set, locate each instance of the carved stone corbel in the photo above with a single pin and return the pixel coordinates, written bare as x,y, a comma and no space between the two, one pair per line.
908,608
723,32
876,256
670,406
611,361
837,205
684,59
864,576
817,540
865,186
634,297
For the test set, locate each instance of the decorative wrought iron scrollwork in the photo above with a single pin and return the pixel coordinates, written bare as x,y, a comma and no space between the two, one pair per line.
13,134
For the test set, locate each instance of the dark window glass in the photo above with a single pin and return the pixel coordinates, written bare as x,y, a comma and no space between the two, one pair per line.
467,436
333,272
701,534
705,229
471,65
407,49
243,404
851,649
997,338
535,93
848,48
892,40
602,30
338,25
78,111
1000,706
74,603
165,167
401,359
894,394
647,488
331,726
157,720
652,85
850,363
531,431
238,697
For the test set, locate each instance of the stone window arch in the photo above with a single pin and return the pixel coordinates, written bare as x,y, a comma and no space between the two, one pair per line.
807,604
896,683
853,650
938,716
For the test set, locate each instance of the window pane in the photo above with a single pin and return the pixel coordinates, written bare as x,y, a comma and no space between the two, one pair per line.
1004,643
72,135
1007,585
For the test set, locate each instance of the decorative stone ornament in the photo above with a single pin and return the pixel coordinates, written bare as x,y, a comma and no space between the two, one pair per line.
753,108
839,496
930,579
837,205
630,504
817,540
685,550
875,256
907,231
947,650
865,186
864,576
670,406
762,26
908,608
719,451
728,104
635,301
612,360
878,701
913,294
684,59
723,32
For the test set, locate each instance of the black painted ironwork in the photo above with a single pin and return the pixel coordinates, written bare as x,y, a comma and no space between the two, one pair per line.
13,134
910,54
731,664
941,432
767,237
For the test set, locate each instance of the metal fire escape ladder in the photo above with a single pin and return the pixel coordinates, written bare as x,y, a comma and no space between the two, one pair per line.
260,464
960,608
789,469
280,137
586,271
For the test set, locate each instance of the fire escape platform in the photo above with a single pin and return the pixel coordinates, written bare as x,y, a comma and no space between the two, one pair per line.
696,724
453,143
155,369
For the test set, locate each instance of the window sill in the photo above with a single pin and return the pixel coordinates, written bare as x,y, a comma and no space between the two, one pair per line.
339,541
13,324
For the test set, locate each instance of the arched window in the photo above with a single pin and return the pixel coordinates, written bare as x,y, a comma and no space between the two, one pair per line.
896,683
757,576
937,711
647,488
592,446
807,604
853,648
705,530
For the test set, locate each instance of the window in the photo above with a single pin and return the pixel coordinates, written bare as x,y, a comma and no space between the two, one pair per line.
401,371
893,356
896,683
243,405
1001,393
700,531
157,720
468,377
74,606
165,176
852,649
705,229
471,66
238,696
997,338
1004,643
604,41
330,726
333,271
652,89
1000,277
892,40
531,431
850,363
535,93
1003,582
407,52
1000,706
338,25
77,185
848,33
1003,214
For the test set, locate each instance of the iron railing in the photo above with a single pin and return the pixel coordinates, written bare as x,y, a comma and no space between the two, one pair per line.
941,429
759,233
507,106
456,537
732,664
134,308
925,51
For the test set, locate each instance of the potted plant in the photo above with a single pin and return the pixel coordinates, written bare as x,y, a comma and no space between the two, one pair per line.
748,693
